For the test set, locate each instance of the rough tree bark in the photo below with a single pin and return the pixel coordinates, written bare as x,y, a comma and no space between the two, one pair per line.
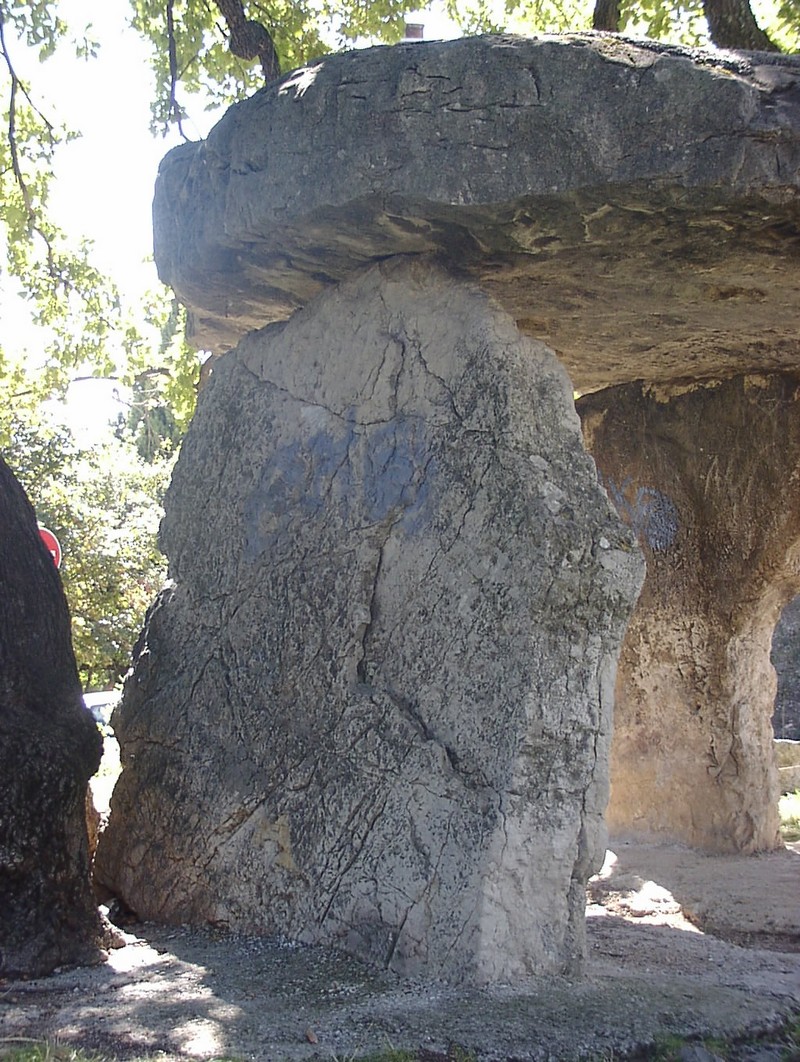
606,15
49,748
249,39
731,24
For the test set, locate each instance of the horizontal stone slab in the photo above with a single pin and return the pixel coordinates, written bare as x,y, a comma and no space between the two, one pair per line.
634,206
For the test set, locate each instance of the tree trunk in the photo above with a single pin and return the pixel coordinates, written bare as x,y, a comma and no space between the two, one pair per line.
606,15
731,24
49,748
249,39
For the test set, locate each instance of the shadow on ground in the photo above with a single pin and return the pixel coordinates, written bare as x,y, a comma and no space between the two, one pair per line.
652,972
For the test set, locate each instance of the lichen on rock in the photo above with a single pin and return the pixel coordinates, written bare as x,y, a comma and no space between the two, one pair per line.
375,706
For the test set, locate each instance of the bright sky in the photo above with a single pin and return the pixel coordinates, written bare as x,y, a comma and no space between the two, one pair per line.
104,180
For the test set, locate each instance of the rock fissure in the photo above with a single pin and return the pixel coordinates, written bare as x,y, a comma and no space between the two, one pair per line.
362,672
351,861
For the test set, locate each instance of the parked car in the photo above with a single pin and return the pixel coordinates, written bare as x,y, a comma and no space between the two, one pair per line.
101,705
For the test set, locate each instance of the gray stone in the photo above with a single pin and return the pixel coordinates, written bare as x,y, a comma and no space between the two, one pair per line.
789,779
787,753
631,205
374,708
697,1053
787,757
786,661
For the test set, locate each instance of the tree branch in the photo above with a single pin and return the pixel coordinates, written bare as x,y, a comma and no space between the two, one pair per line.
175,111
248,39
17,86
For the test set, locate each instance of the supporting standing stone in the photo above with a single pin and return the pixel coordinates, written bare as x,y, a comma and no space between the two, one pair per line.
374,708
49,748
708,481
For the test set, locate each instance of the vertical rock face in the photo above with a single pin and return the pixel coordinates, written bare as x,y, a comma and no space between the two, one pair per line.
374,707
786,661
707,480
49,748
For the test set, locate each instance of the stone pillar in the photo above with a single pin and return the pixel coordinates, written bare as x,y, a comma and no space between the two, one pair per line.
708,480
374,708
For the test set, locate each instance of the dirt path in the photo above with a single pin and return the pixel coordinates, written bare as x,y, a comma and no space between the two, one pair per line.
678,943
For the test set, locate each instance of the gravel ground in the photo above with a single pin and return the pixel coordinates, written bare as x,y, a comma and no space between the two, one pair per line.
678,944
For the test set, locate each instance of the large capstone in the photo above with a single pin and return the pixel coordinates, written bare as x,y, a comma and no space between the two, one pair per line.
374,707
632,205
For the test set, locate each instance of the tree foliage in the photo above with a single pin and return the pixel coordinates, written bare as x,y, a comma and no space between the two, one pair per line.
68,296
688,22
191,43
104,506
74,307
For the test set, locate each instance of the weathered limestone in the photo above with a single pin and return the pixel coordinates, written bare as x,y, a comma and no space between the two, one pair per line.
633,206
375,706
707,481
49,748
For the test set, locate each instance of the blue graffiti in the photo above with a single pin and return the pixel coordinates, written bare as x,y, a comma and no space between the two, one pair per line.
650,514
346,474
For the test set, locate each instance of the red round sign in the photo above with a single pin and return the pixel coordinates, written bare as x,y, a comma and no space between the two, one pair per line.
53,545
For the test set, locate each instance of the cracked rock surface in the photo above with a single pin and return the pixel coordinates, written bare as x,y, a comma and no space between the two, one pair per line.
643,237
374,707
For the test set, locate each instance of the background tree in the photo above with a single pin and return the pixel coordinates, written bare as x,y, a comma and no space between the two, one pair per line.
726,23
150,424
217,52
104,505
